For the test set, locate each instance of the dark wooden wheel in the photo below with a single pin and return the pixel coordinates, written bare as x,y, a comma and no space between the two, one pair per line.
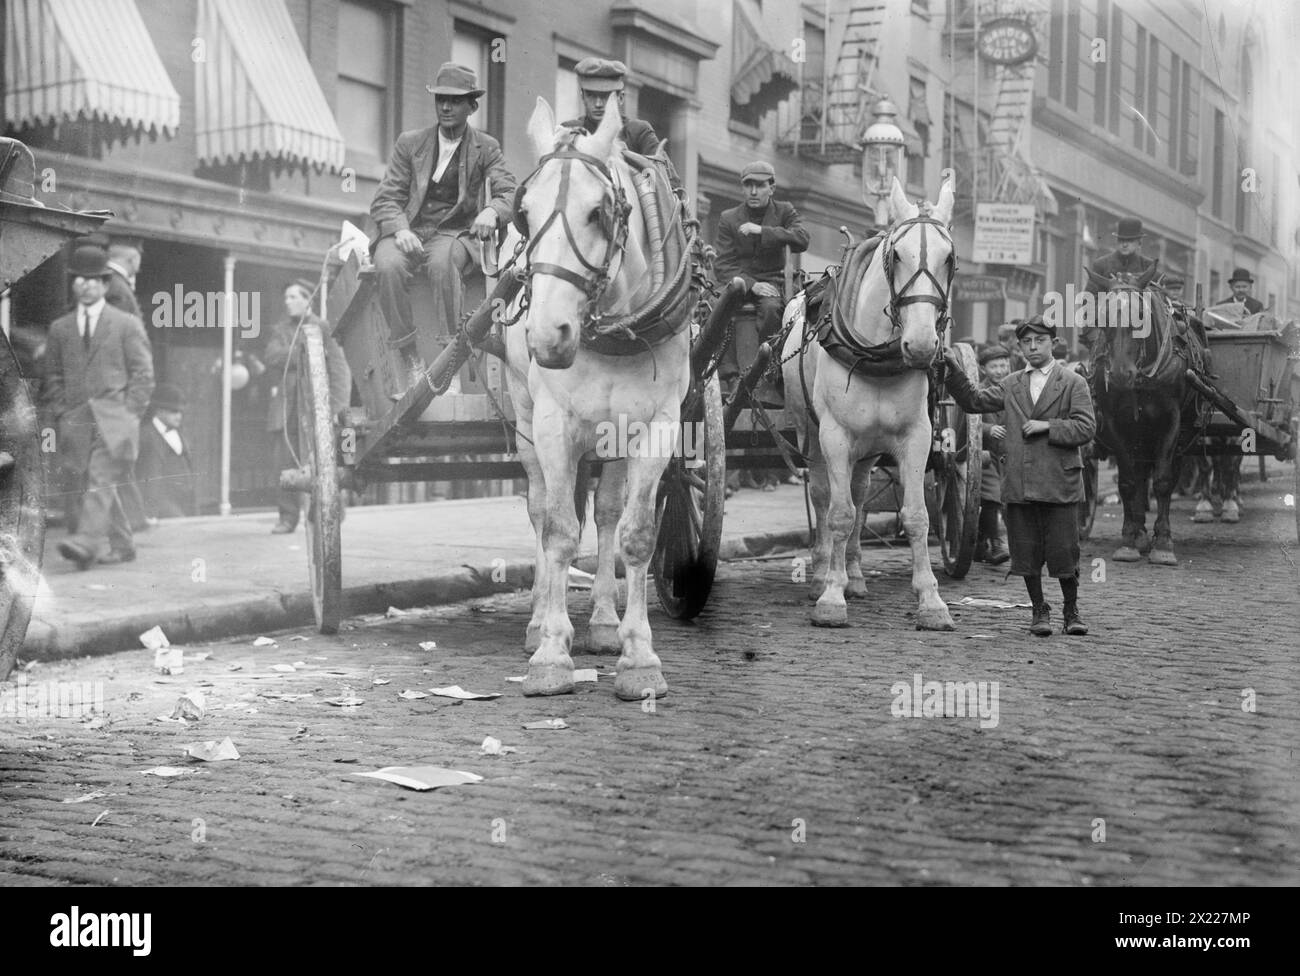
688,513
317,454
957,475
22,508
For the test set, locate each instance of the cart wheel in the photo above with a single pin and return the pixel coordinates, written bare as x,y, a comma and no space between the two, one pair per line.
1295,463
324,510
957,478
22,509
689,515
1088,507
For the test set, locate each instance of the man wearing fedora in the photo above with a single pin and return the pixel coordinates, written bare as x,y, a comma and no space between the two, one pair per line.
1126,259
430,203
99,376
1240,283
1049,416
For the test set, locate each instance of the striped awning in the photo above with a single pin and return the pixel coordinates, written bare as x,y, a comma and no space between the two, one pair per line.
761,73
85,59
256,96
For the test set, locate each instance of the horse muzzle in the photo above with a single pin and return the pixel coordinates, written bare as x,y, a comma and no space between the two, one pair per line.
557,350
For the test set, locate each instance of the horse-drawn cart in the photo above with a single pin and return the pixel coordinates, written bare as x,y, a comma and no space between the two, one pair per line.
29,234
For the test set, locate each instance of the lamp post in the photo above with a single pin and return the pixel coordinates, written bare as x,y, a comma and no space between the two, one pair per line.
882,159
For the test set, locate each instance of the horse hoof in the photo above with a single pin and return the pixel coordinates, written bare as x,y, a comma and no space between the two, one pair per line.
1126,554
855,589
1231,513
1204,513
830,615
1162,557
934,619
637,684
603,639
548,679
1144,543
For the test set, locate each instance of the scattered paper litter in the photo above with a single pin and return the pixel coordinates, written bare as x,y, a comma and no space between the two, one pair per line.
264,642
168,771
299,637
428,645
381,681
348,702
969,636
299,664
395,612
199,656
234,667
412,695
456,691
212,751
317,657
971,601
283,668
190,706
95,822
584,674
154,638
169,660
95,795
285,696
517,679
550,723
168,717
422,777
493,747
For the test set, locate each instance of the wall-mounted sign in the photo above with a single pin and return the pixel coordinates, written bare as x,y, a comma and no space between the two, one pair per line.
1004,233
1007,40
980,288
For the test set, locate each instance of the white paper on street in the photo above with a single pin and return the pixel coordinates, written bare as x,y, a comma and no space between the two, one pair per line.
422,777
456,691
974,601
212,751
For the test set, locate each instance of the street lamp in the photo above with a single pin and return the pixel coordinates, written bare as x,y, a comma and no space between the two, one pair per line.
882,159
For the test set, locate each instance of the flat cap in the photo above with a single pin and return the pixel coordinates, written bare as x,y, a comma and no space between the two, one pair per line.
1036,324
758,170
600,74
991,352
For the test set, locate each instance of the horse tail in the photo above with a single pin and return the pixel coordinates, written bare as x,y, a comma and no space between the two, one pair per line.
581,486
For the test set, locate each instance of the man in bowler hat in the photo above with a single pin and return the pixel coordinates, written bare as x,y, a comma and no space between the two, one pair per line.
99,377
1240,283
1126,259
1049,416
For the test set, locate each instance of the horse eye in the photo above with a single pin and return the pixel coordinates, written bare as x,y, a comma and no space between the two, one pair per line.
594,216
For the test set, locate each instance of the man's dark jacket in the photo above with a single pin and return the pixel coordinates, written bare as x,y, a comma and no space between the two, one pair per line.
759,258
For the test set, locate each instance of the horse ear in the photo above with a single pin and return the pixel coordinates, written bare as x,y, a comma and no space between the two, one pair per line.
943,209
541,128
900,208
1099,282
1144,279
608,130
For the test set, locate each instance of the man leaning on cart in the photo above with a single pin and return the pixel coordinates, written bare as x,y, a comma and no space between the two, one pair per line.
429,204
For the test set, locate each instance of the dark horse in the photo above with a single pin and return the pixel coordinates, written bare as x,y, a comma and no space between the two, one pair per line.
1143,400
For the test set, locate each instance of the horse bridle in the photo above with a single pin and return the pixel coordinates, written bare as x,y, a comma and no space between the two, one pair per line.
899,297
615,211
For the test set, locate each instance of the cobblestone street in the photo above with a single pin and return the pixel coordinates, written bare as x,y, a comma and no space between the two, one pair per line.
1122,758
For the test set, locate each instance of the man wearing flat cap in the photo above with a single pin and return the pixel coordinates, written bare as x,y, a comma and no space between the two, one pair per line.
1049,416
1127,258
598,80
1240,283
430,204
98,380
990,545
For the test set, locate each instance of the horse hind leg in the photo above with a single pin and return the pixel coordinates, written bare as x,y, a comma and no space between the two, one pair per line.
602,629
856,587
819,492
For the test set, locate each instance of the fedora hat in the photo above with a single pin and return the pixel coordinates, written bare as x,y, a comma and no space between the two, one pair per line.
1129,229
88,261
455,79
1241,274
167,396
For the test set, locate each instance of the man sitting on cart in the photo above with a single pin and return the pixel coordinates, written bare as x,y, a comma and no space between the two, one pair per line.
430,202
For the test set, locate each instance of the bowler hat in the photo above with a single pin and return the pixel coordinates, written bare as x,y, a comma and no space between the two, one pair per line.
758,170
991,352
1241,274
1129,229
600,74
89,261
455,79
166,396
1036,324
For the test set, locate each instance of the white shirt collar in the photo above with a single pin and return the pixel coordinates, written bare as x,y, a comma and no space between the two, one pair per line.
171,435
1041,370
94,311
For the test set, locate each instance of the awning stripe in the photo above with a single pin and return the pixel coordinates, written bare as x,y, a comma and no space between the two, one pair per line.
256,94
69,59
758,69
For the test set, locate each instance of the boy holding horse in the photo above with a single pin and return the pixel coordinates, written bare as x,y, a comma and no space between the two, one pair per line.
1049,416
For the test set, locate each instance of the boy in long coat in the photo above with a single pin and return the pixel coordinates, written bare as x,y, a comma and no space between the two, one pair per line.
1049,416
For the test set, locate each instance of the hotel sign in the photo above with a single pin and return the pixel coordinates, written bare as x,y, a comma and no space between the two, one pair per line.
1007,40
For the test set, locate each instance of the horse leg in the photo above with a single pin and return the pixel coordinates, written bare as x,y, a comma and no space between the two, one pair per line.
1205,489
536,515
1127,484
1142,504
1231,487
856,587
550,669
639,673
912,453
820,492
831,610
1163,479
602,629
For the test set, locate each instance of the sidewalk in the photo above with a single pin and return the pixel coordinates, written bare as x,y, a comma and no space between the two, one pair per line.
208,578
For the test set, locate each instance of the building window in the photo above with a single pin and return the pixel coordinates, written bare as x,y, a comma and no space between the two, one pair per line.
1115,54
1100,68
1140,110
1177,89
1189,132
568,99
1072,56
480,49
812,95
1216,167
366,64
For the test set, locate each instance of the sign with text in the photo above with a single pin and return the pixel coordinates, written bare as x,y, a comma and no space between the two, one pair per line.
1004,233
980,288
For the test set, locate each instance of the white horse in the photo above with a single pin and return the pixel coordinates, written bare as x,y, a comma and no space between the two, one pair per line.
855,418
566,397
